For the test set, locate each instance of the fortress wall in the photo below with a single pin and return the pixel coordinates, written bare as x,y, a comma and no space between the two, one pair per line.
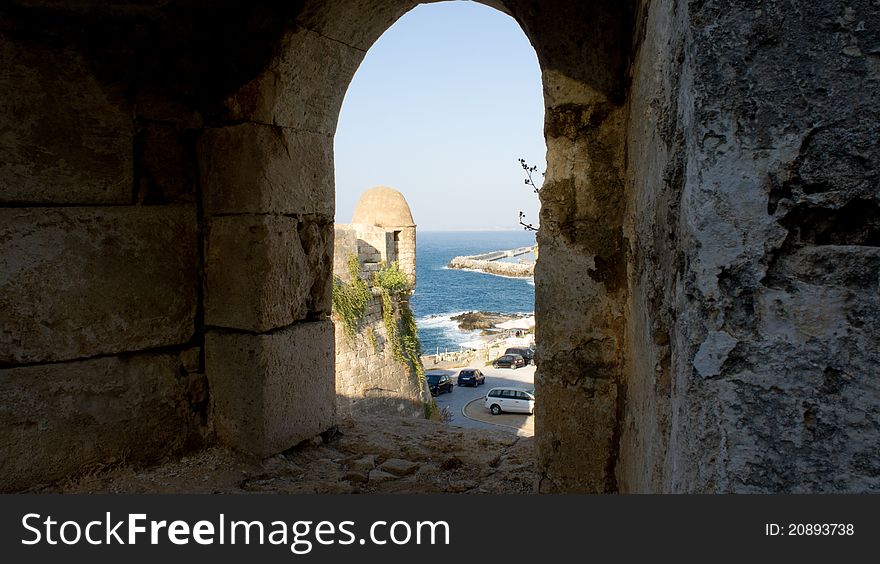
706,293
370,380
752,234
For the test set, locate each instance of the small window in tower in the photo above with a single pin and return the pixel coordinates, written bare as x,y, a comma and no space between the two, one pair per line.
396,236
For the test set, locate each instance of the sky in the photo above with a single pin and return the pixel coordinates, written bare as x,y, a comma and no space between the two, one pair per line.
442,107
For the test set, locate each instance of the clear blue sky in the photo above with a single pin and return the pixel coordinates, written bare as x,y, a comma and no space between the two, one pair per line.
442,107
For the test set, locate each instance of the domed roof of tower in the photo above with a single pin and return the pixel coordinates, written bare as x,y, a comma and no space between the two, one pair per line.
383,207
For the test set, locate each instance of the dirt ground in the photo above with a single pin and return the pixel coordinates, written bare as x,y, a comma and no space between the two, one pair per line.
370,455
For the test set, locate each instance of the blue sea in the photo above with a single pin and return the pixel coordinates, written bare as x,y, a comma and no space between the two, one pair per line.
442,292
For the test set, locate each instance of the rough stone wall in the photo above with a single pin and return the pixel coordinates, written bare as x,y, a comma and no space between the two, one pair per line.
164,254
754,235
406,252
580,284
372,246
654,232
369,379
706,295
100,357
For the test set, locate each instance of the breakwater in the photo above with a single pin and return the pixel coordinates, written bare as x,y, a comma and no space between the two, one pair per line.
491,263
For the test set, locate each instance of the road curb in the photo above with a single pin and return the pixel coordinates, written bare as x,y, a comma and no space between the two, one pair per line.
466,416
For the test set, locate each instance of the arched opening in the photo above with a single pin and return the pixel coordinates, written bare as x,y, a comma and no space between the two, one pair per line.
580,280
441,108
213,166
705,293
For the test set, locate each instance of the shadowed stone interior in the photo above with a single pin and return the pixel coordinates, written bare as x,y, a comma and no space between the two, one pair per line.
707,289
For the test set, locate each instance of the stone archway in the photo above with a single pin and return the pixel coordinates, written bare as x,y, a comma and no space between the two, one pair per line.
200,201
285,118
706,293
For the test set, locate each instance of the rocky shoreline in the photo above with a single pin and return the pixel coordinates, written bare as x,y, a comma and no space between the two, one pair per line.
476,320
493,339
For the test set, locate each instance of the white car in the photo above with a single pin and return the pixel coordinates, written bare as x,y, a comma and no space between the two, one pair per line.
514,400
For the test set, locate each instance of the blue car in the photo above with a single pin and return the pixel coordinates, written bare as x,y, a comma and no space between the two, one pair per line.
471,377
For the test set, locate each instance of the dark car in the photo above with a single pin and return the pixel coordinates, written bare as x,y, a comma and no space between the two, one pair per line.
471,377
509,361
438,383
527,353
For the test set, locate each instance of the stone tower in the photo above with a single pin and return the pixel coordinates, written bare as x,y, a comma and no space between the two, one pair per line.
370,378
386,208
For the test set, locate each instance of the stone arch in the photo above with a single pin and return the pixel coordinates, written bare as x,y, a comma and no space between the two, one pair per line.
707,286
293,106
200,194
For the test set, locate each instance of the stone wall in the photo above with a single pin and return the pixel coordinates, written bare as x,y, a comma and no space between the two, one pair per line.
580,283
100,352
372,246
370,380
752,228
706,294
406,252
165,264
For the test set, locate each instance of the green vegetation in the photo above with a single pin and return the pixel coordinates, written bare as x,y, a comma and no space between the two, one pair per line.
400,323
431,409
350,302
390,324
350,299
393,280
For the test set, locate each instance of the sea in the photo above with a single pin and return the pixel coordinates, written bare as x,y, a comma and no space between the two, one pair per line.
442,292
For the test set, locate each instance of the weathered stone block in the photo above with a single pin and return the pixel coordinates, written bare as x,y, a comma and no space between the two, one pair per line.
575,433
259,276
168,172
61,419
345,19
292,92
272,391
316,237
255,168
78,282
64,136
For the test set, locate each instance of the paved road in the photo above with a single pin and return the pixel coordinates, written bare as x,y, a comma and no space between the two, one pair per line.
461,396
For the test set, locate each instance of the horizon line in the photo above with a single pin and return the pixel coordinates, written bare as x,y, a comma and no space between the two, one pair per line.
486,229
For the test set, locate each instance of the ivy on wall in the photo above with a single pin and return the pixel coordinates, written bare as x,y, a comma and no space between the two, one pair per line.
400,323
350,299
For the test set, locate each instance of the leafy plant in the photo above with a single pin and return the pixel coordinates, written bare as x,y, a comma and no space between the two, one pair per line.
400,323
390,321
409,335
393,280
350,299
350,302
